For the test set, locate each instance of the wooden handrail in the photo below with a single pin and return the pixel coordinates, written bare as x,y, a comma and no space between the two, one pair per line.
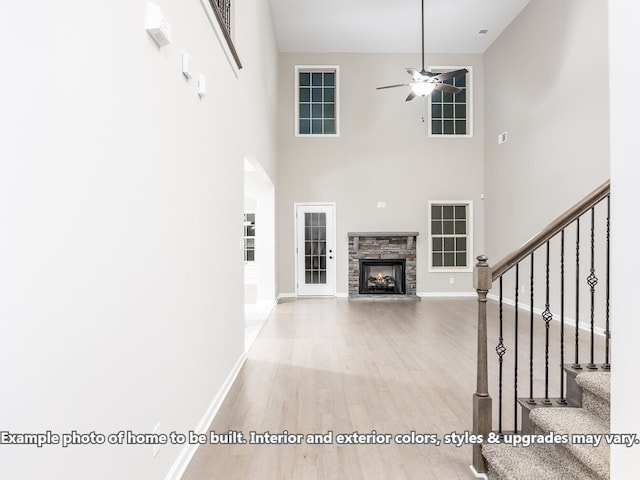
550,230
483,277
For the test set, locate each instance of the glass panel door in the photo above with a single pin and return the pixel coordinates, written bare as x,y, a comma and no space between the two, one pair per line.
315,250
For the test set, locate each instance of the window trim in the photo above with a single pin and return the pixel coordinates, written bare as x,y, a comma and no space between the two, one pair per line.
469,89
296,102
469,267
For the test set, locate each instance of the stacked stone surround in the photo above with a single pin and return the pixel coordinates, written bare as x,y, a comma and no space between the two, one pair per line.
382,246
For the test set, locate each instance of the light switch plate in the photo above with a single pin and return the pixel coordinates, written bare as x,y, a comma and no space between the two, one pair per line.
202,86
186,65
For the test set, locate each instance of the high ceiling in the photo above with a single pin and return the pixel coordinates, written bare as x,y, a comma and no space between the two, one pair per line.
390,26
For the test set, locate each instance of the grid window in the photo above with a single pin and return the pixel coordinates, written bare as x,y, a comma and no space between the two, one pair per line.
450,112
315,248
450,235
316,101
249,237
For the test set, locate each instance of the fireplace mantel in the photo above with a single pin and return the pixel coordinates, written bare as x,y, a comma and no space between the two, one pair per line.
383,234
356,237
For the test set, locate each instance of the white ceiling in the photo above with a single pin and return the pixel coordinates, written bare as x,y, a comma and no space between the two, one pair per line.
390,26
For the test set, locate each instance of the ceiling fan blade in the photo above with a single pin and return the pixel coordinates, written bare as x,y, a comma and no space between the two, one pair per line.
445,87
411,96
394,86
440,77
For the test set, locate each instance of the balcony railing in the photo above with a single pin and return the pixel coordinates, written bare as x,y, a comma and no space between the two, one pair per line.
224,8
222,11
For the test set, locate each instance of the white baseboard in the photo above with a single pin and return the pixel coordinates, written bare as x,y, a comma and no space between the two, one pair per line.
293,295
446,294
556,317
419,294
188,451
285,295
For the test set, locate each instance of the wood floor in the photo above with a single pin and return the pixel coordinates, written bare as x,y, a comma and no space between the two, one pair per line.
330,365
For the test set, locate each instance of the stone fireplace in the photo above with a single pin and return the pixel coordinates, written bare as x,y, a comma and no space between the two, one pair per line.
382,265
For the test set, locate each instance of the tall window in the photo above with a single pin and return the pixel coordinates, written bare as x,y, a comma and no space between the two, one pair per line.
450,238
316,100
451,112
249,237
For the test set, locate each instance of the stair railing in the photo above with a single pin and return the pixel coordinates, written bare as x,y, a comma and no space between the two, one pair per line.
484,278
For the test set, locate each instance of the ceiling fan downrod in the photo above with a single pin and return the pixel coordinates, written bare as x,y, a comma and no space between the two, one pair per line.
422,37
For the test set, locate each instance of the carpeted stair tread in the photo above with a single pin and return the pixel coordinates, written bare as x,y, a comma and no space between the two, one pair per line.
598,383
595,392
560,461
535,462
577,421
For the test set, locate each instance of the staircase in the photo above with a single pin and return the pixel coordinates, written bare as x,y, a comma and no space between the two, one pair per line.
560,461
556,284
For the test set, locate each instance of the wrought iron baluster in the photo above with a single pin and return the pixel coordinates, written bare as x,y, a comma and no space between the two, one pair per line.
592,280
576,363
500,350
224,7
515,361
546,316
486,276
607,333
531,401
562,400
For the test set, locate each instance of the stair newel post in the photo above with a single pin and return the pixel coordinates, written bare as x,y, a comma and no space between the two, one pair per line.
481,400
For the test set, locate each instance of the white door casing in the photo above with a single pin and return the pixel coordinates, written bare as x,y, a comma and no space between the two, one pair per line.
315,249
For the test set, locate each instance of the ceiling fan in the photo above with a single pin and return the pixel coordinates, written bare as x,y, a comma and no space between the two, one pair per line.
425,82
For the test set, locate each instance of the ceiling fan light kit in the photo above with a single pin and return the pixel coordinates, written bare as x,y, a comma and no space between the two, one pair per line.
425,82
422,88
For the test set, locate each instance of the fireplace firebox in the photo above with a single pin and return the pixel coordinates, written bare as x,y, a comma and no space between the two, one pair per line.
382,276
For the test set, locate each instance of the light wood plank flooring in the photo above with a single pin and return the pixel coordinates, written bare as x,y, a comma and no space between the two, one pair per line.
322,365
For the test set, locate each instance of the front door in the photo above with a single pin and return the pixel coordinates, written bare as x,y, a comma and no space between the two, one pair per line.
315,249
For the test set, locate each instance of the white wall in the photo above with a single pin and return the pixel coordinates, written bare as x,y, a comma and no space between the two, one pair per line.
624,18
546,85
383,154
121,198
